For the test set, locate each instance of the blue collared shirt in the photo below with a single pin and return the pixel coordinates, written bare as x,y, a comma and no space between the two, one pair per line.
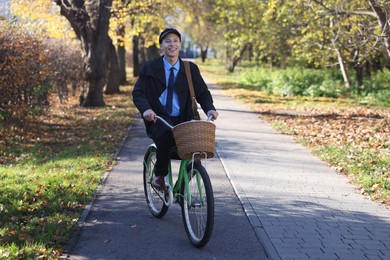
163,97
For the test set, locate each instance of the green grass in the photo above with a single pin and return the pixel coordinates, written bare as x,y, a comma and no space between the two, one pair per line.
281,128
50,170
367,167
41,203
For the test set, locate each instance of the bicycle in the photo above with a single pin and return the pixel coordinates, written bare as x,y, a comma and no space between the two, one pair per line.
192,190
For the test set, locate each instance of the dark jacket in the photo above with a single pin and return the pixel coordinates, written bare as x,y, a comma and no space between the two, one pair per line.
151,84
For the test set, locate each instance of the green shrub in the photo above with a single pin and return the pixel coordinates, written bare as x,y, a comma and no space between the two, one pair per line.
327,88
375,89
317,83
378,81
258,79
294,82
378,98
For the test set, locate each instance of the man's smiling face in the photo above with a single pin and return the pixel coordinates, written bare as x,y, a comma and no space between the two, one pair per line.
170,45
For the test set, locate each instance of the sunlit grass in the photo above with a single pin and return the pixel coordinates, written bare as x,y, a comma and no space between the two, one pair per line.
50,171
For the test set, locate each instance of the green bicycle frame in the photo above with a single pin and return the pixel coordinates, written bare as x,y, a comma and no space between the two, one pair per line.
183,175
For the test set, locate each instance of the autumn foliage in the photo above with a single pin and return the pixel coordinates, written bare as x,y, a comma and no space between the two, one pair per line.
29,70
24,69
67,67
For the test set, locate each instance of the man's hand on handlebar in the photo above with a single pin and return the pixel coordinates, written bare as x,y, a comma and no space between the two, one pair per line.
213,114
149,115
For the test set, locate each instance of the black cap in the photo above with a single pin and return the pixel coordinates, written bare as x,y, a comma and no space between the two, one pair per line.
168,31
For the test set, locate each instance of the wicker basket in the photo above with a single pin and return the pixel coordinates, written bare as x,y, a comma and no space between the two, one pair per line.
195,136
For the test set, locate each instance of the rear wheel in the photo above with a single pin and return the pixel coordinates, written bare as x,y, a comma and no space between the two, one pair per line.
198,205
154,198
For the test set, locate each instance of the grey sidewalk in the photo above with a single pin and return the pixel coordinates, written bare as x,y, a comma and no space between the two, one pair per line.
117,225
299,207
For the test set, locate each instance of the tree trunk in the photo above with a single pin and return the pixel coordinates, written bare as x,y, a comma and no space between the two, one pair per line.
257,59
367,67
343,69
340,58
152,52
203,53
231,62
359,75
121,56
122,65
250,52
90,22
114,75
95,68
376,64
384,24
142,51
136,63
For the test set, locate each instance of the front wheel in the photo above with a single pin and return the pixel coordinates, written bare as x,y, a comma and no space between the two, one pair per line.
154,198
198,206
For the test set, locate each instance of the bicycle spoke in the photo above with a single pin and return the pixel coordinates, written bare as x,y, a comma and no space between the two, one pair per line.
198,210
154,198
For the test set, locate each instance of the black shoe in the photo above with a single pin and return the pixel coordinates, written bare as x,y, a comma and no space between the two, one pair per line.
158,183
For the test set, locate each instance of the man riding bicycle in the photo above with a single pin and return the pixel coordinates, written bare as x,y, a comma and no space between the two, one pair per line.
162,89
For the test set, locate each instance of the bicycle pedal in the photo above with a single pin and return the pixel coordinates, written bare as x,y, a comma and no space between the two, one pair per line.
168,196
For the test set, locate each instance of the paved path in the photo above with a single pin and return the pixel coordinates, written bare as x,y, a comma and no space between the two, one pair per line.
299,207
118,224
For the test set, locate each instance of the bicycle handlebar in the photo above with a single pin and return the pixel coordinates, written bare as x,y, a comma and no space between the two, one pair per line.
165,122
171,127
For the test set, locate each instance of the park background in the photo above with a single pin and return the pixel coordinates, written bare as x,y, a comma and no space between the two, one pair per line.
318,70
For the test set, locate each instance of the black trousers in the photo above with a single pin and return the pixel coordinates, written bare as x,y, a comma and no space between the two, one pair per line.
165,144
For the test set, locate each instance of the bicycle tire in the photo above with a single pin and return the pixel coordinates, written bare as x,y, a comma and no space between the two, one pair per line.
153,197
198,215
